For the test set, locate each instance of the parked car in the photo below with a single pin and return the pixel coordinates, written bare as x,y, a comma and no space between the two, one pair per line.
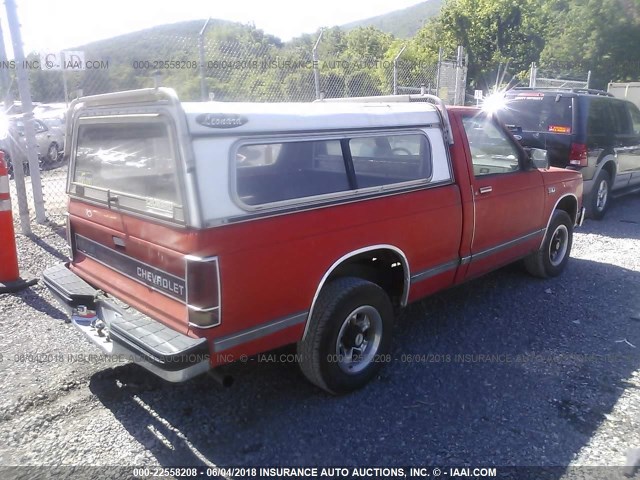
203,233
50,133
44,111
9,136
588,131
49,143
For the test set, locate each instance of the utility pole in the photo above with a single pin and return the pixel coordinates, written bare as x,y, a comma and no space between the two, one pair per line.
27,108
18,169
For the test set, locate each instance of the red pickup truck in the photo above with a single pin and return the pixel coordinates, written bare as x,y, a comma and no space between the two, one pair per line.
203,233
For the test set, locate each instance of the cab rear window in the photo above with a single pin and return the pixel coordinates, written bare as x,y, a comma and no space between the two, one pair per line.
535,112
129,165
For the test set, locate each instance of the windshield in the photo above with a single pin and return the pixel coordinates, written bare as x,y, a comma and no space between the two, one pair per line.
538,112
132,162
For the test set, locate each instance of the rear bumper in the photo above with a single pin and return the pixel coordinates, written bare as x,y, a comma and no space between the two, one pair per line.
127,334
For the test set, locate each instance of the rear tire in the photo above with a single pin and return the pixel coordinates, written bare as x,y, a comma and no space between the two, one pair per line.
601,195
551,259
349,335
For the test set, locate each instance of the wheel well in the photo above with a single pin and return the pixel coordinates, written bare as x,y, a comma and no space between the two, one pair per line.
383,267
610,168
570,205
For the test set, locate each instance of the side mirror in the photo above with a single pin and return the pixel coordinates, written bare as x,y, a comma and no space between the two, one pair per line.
539,158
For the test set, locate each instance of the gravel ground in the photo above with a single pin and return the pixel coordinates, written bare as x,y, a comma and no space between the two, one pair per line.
505,371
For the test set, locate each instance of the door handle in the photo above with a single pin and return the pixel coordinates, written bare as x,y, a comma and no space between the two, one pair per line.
484,190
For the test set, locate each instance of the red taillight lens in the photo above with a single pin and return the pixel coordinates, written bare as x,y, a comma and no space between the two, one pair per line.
578,155
203,291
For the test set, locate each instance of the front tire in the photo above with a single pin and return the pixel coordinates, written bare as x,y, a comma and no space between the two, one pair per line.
601,195
552,258
52,153
349,335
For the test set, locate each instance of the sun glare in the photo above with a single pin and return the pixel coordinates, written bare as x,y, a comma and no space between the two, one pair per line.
494,102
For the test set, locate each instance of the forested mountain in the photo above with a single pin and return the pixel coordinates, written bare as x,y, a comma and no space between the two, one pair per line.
566,38
403,23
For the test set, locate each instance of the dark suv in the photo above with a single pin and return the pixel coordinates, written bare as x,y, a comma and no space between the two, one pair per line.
585,130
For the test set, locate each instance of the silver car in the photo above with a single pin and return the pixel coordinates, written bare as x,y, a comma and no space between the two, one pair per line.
49,142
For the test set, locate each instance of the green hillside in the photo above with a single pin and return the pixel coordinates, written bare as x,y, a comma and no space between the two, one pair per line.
565,38
403,23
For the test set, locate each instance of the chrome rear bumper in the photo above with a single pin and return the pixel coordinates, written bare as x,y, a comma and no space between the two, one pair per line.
126,333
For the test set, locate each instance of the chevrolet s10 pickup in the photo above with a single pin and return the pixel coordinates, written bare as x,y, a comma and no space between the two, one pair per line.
204,233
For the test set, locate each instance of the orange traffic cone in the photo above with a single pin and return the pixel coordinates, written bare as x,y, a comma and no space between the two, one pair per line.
10,280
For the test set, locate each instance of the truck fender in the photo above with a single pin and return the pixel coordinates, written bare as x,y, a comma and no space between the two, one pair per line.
573,215
346,257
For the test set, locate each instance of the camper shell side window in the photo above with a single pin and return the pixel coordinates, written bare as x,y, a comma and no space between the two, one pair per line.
272,172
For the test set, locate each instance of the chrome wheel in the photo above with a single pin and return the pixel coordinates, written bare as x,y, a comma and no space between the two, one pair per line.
602,195
359,339
52,153
558,245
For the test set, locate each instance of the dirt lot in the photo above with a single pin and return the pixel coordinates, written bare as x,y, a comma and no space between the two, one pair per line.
504,371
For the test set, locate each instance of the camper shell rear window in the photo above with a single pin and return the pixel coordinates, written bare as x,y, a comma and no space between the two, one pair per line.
130,163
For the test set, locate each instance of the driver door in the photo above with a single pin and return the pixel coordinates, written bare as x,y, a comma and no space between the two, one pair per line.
508,196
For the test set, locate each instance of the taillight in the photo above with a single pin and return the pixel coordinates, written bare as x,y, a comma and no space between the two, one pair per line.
578,155
203,291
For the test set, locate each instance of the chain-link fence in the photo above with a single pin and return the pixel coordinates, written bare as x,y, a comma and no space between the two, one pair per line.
538,80
210,66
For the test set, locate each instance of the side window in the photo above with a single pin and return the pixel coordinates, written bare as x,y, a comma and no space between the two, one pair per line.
257,155
621,118
492,151
599,121
635,118
39,126
276,172
267,173
387,159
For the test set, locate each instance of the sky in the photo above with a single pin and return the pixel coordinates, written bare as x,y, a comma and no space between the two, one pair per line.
53,25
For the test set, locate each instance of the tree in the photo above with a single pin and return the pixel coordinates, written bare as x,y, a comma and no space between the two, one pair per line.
597,35
492,32
366,43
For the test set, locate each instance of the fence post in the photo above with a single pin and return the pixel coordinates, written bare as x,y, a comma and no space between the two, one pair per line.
203,82
64,79
395,70
459,60
532,75
465,70
27,108
438,72
18,170
316,72
588,79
